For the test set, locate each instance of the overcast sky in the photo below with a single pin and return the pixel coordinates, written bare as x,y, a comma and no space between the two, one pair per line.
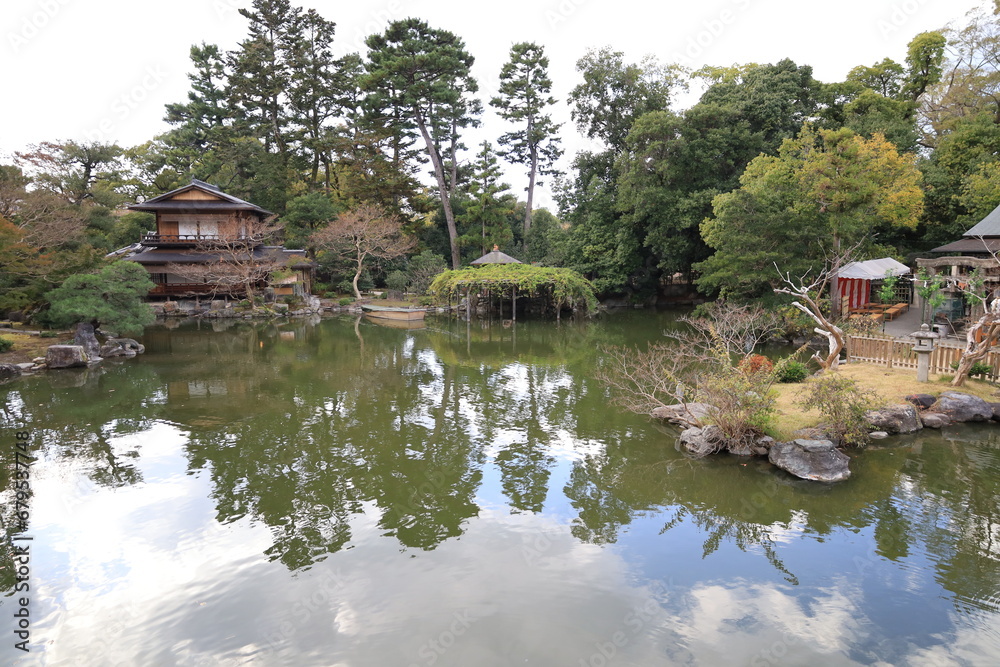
104,69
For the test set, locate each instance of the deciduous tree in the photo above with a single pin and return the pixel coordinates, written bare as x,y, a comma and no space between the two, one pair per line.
232,261
825,191
364,233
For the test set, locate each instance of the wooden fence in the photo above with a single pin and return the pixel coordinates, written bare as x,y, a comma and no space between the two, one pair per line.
895,353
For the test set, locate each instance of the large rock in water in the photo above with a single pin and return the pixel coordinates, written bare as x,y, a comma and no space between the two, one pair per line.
9,372
122,347
86,339
935,419
816,460
901,418
702,441
65,356
963,407
685,414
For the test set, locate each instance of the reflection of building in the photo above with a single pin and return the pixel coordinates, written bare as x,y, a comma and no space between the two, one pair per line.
199,225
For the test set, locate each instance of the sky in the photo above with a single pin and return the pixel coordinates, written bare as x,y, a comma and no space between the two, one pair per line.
102,70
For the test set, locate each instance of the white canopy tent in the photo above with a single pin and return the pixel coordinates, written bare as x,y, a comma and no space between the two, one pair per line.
873,269
855,279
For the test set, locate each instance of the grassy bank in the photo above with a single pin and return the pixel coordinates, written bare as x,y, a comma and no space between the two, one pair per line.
891,384
27,347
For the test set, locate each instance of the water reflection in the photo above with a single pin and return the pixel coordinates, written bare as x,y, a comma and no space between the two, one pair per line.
478,471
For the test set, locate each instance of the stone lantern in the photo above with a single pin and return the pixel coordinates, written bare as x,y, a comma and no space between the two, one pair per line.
923,347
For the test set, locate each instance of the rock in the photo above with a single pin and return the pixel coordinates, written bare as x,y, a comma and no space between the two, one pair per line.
685,414
65,356
922,401
814,433
963,407
996,411
86,339
38,360
762,446
26,366
816,460
110,350
900,418
129,344
878,435
15,316
169,306
9,372
935,420
701,441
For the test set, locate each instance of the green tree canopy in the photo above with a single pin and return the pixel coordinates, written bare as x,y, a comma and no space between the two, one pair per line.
523,98
824,192
111,298
425,73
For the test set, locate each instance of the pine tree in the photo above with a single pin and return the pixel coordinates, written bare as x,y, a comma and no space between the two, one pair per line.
524,95
424,73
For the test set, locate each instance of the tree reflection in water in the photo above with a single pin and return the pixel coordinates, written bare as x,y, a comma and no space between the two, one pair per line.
312,429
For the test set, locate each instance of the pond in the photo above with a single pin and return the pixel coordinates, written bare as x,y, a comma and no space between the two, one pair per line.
340,493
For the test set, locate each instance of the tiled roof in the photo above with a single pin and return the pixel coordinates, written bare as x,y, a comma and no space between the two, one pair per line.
975,246
165,202
988,226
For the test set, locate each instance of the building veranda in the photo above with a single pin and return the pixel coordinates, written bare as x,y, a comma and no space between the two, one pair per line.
208,243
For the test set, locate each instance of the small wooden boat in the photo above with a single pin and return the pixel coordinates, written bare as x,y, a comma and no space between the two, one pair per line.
395,313
396,324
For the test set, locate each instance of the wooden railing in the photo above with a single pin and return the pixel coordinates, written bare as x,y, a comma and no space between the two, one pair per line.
170,289
897,353
153,237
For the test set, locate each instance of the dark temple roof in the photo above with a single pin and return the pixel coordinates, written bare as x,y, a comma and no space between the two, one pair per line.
988,226
222,202
975,246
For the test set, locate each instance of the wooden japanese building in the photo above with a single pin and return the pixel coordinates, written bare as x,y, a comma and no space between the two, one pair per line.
199,224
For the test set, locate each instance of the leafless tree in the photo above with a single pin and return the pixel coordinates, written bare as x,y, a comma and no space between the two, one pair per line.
364,233
232,260
49,222
704,362
807,293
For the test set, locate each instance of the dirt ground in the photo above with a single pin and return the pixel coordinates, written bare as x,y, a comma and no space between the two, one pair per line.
27,347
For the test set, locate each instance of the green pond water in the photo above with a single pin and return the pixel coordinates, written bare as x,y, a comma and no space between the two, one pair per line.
337,493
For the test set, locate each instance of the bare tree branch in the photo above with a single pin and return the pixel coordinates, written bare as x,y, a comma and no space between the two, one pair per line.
233,260
363,233
809,292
